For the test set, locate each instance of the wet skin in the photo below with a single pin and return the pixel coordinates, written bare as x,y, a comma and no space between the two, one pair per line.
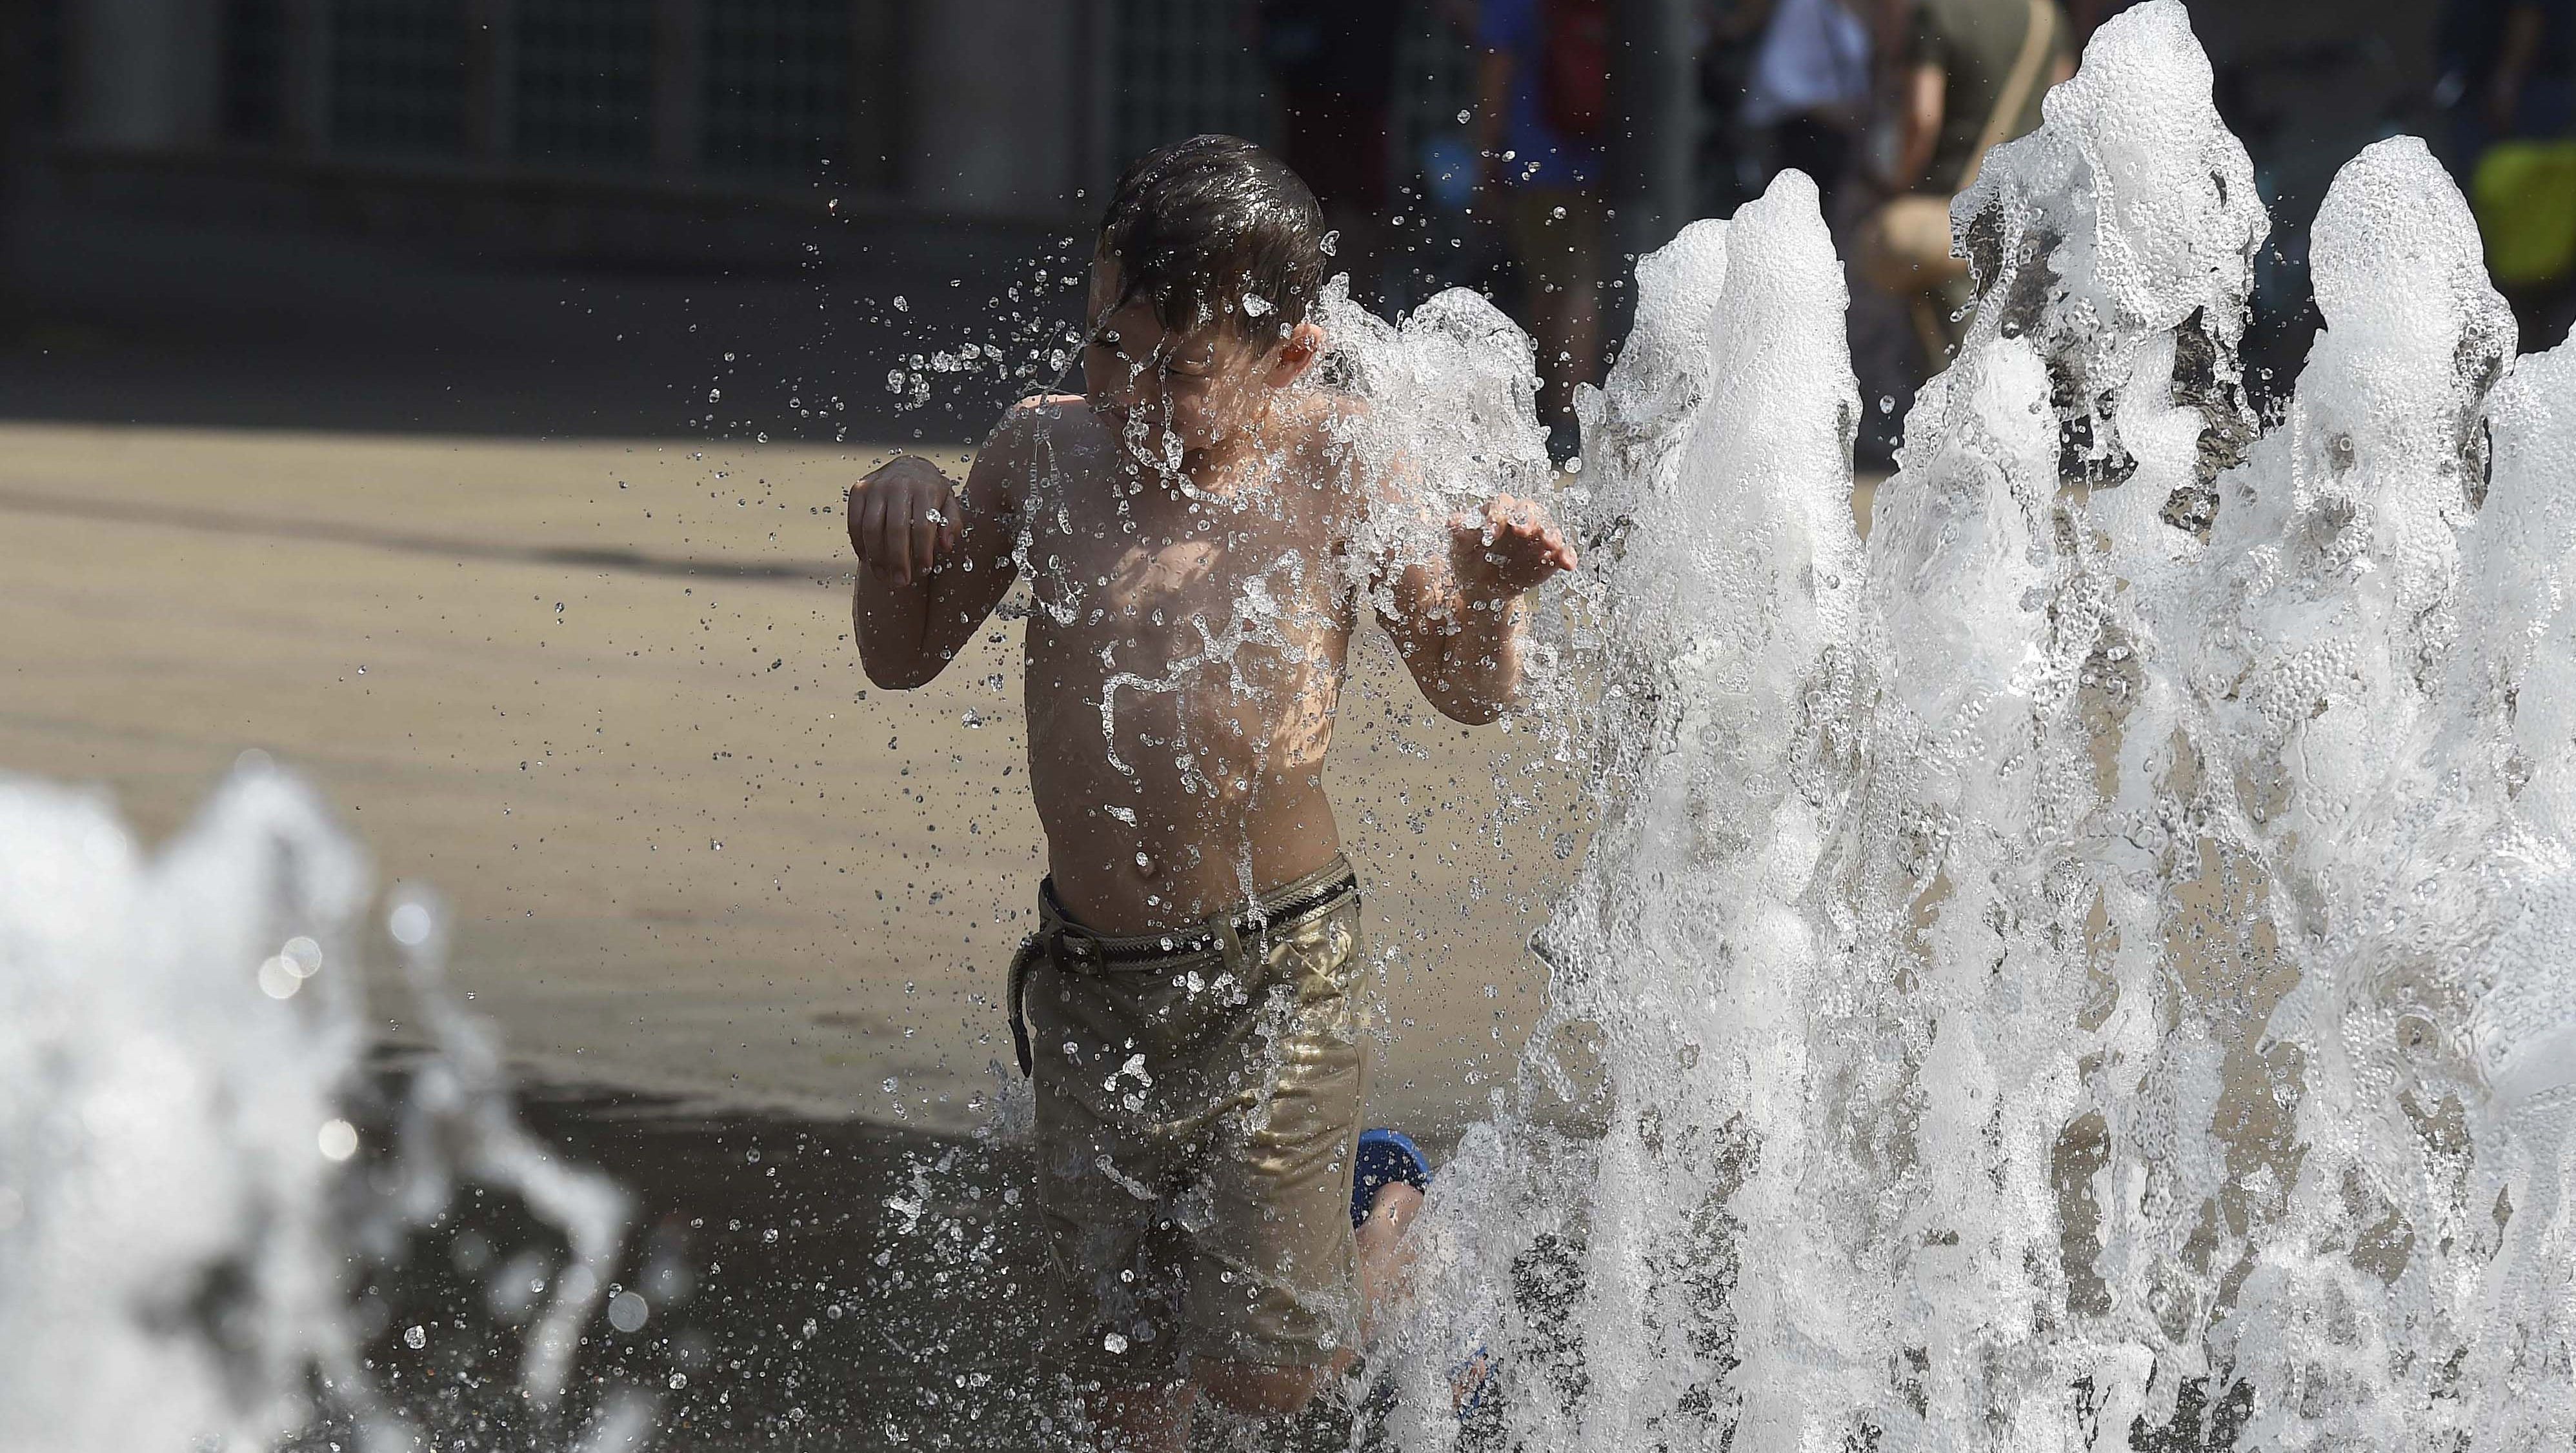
1189,527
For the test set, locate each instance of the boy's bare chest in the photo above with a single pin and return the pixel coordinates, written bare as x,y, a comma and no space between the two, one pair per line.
1266,576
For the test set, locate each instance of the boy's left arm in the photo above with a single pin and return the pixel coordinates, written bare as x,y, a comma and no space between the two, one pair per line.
1457,620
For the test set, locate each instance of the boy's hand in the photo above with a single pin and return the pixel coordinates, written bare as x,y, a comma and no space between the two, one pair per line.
903,518
1507,547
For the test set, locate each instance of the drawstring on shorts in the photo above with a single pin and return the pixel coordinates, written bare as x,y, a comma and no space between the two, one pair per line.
1073,948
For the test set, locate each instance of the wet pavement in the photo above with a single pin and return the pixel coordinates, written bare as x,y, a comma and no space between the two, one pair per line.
805,1284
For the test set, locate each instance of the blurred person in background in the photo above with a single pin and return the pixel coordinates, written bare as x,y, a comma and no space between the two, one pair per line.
2509,70
1963,77
1332,66
2532,90
1810,89
1543,110
2509,81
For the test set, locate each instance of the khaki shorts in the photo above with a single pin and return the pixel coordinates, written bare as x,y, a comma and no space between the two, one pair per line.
1198,1105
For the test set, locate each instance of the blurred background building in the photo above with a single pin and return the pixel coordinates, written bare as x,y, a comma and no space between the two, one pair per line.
611,124
560,215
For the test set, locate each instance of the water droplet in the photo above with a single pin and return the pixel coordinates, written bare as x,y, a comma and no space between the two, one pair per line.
337,1141
417,1337
627,1312
278,979
409,924
1113,1342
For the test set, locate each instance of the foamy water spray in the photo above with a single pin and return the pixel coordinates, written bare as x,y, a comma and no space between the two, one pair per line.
180,1200
2098,959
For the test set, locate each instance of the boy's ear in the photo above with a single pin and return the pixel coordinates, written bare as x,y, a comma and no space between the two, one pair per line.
1298,352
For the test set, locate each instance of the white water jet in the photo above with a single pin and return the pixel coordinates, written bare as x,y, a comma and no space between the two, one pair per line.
2094,960
2097,961
183,1199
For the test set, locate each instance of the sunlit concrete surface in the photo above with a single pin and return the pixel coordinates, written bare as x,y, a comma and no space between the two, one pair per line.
601,695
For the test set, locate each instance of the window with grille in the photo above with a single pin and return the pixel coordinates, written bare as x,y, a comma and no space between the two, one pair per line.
1184,67
398,76
582,80
778,74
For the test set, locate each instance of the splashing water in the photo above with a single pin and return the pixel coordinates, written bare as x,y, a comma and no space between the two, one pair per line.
2091,965
181,1198
2087,968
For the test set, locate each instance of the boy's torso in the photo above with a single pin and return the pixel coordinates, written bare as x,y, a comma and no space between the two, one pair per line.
1184,663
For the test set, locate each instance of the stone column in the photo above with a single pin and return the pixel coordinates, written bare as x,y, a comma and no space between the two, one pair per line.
304,78
492,75
998,101
142,73
679,85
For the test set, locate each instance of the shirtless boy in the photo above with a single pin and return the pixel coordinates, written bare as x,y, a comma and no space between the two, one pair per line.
1196,534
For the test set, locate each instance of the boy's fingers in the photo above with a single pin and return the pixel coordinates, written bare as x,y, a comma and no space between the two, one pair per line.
890,539
924,540
880,545
868,529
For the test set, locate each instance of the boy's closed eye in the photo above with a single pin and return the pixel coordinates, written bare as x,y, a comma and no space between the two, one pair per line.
1169,364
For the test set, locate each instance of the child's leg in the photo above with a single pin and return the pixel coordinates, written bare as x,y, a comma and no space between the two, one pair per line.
1275,1301
1252,1390
1385,1252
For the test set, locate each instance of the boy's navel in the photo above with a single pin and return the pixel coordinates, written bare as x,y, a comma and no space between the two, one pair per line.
1146,867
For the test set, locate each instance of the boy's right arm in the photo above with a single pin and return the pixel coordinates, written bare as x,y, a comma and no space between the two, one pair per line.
934,560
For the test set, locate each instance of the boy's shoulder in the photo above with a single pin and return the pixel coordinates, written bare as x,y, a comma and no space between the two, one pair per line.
1054,418
1042,436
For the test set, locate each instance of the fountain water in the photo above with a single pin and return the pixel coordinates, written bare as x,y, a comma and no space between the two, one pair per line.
2089,968
183,1207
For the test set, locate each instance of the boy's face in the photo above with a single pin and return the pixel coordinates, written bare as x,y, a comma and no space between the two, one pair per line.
1197,388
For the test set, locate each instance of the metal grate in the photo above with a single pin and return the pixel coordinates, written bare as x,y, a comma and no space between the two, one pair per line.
398,75
251,70
1184,67
46,63
582,82
778,98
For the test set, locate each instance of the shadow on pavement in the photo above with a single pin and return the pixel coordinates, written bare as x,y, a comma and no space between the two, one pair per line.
146,311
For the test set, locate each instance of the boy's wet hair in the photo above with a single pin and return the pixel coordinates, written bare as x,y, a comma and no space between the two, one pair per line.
1216,229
